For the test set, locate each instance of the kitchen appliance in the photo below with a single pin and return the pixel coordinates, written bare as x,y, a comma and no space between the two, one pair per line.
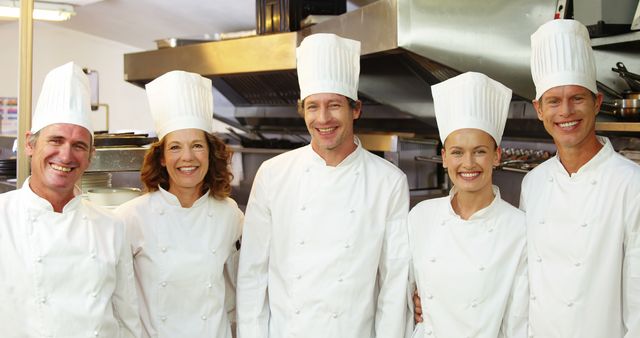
274,16
605,17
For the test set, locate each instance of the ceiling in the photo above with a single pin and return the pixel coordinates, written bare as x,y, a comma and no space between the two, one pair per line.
139,22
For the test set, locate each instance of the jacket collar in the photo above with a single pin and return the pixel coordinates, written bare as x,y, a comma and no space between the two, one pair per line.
34,201
592,165
482,214
172,200
350,159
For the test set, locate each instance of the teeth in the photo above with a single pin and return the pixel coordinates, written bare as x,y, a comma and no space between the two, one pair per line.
326,130
60,168
568,124
188,169
469,175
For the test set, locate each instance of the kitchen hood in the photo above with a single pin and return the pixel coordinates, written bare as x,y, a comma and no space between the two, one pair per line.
407,46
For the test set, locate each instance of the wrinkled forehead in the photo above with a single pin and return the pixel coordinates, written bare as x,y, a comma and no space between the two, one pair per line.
68,131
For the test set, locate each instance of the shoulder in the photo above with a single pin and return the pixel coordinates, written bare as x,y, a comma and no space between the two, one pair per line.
286,158
381,167
540,172
9,197
134,205
428,209
510,213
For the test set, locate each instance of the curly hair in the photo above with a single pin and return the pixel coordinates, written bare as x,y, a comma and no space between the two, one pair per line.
218,179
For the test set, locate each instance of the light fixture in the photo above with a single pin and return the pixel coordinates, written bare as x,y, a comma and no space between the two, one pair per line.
41,10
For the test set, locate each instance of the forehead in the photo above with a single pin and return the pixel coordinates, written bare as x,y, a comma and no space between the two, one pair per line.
469,137
185,135
71,132
324,97
565,91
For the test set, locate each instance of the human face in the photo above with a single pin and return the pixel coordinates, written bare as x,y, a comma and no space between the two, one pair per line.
186,157
569,114
59,157
469,156
329,120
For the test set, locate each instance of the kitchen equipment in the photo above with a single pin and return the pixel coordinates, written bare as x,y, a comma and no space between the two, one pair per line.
122,139
627,109
605,17
632,79
8,167
112,196
274,16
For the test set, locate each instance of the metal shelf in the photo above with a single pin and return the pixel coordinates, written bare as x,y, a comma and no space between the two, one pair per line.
618,126
615,39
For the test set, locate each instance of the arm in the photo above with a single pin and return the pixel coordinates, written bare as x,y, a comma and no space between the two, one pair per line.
631,270
231,271
393,269
253,271
515,318
125,306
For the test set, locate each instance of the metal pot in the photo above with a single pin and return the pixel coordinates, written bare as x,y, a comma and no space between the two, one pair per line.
628,109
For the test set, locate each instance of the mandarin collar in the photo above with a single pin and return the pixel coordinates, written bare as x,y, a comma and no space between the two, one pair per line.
484,213
350,159
38,203
600,157
173,200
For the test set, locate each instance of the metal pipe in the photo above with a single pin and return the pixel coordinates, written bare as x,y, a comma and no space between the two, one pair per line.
24,95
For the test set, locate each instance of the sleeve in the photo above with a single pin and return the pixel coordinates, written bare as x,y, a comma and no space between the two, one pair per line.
523,189
125,306
393,268
631,270
252,300
231,269
515,319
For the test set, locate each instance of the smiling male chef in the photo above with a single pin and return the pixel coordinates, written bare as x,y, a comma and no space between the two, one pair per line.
582,206
65,270
325,247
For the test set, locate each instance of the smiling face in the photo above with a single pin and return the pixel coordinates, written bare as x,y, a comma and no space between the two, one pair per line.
329,119
59,156
469,156
569,114
186,157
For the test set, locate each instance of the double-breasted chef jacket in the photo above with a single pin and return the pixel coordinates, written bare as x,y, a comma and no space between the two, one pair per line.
65,274
584,247
180,255
317,239
471,274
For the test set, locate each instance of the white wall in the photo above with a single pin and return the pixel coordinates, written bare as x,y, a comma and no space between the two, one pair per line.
54,46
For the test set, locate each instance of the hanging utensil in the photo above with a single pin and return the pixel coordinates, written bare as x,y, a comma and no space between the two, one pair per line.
633,80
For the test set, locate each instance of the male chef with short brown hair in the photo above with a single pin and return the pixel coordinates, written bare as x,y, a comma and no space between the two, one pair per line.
582,206
65,269
325,247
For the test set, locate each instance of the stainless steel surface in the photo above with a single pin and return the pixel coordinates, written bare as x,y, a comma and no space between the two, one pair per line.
117,159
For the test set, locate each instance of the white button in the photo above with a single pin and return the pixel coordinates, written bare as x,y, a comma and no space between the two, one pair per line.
481,268
210,214
347,246
334,315
577,264
94,294
538,259
209,285
432,259
298,276
490,229
357,173
541,221
352,211
297,312
95,333
306,170
429,332
213,251
163,284
161,212
43,300
474,304
93,256
301,242
533,297
163,318
163,249
570,304
584,225
303,208
443,223
84,217
33,219
39,259
429,296
594,182
550,179
340,279
203,317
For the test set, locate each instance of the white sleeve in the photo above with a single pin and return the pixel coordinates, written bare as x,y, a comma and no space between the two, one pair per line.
631,269
515,319
393,269
252,300
124,299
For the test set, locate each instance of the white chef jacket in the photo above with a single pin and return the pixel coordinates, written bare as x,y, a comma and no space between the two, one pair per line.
316,241
584,247
64,274
179,262
471,274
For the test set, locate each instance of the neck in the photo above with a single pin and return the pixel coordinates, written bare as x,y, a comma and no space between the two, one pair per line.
465,204
186,196
333,157
57,199
573,158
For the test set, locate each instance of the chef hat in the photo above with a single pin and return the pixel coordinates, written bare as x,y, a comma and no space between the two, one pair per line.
471,100
180,100
328,63
561,55
64,98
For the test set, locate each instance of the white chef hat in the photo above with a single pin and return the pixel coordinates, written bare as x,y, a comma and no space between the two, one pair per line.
328,63
180,100
65,98
561,55
471,100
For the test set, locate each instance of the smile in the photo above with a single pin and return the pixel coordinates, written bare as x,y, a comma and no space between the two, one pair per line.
567,124
60,168
470,175
187,170
326,130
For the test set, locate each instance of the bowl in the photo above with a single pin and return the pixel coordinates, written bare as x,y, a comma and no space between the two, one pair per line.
112,196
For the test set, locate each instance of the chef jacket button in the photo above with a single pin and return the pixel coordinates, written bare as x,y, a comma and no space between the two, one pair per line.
209,285
334,315
39,259
429,296
303,208
93,256
541,221
490,229
298,276
161,212
297,312
301,242
357,173
481,268
533,297
570,304
347,245
474,304
210,214
163,249
43,300
84,217
584,225
550,179
340,279
352,211
163,284
203,317
95,333
577,264
432,260
33,218
306,170
538,259
594,182
443,223
163,318
94,294
213,251
429,332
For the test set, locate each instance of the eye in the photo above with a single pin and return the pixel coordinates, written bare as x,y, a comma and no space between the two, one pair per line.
81,146
481,151
456,152
199,146
335,106
174,147
311,107
55,141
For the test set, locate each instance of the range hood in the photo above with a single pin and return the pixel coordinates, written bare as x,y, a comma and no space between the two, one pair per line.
407,46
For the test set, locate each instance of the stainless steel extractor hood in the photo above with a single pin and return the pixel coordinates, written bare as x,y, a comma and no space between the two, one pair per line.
407,45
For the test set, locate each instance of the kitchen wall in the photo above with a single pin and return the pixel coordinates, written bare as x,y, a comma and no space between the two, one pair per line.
53,46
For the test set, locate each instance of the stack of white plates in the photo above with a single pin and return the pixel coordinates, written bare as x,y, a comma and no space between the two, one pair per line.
95,180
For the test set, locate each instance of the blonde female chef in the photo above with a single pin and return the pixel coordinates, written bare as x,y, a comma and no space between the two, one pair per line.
469,249
184,230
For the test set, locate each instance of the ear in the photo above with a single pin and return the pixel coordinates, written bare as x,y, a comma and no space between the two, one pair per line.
599,98
538,107
357,110
443,153
498,157
28,147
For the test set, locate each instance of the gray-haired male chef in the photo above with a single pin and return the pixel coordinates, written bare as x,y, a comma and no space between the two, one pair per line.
65,269
582,206
327,221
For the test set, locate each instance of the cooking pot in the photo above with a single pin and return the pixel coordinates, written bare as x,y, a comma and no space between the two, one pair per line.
112,197
628,109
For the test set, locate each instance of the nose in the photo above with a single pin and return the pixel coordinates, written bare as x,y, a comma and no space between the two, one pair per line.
566,108
187,155
323,114
468,161
65,153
